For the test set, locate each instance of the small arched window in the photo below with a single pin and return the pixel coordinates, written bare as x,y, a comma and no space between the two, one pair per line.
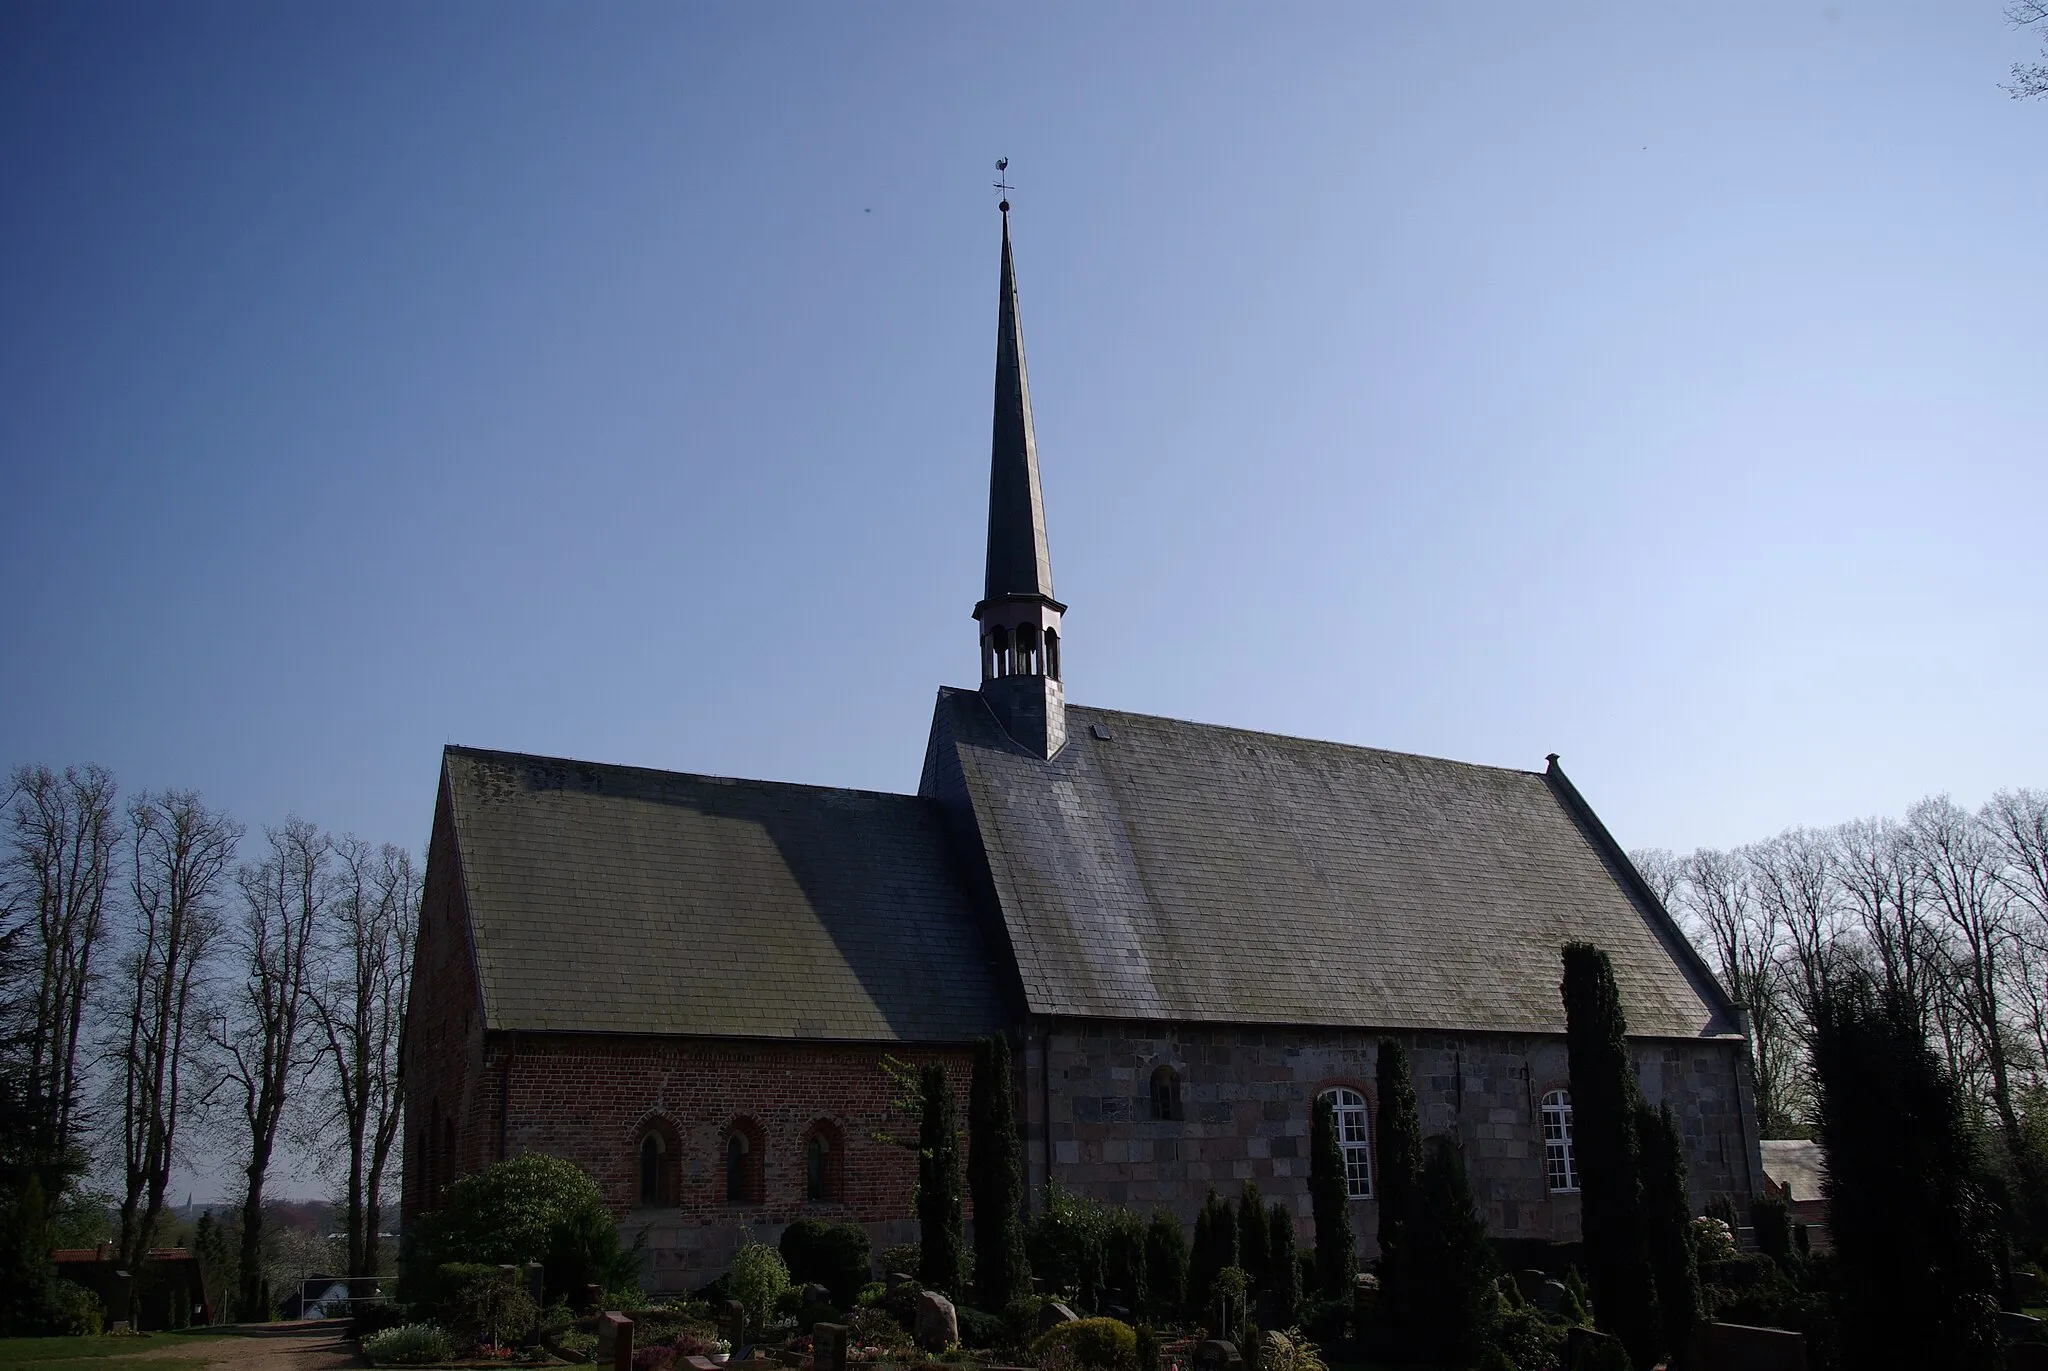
1052,653
1560,1160
1354,1137
740,1164
1165,1093
999,643
815,1161
650,1170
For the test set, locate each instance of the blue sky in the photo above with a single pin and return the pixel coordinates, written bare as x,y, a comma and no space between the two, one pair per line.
1661,386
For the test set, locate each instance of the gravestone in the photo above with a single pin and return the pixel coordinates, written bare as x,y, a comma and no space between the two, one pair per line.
119,1316
1549,1297
732,1324
1739,1347
1218,1354
815,1294
1052,1314
938,1324
615,1341
828,1347
895,1280
593,1296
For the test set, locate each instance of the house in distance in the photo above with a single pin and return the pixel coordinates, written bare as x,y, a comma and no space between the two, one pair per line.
688,984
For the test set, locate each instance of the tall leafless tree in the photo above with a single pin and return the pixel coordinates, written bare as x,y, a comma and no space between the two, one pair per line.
1743,940
62,840
360,1004
1959,861
180,852
1881,885
1793,875
262,1038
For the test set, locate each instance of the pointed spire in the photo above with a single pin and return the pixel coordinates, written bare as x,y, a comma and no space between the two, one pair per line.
1018,563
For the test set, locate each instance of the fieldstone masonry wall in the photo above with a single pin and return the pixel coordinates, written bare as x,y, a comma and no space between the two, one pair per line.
1247,1095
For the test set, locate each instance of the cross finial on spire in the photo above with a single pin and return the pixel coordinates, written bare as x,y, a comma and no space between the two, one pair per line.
1002,183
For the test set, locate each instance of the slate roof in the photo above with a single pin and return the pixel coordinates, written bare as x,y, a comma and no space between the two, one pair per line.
1796,1163
622,900
1157,869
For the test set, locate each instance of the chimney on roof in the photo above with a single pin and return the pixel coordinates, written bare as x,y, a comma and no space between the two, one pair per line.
1018,617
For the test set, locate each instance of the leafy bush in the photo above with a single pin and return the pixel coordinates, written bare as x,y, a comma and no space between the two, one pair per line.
530,1208
409,1344
1713,1239
580,1341
1020,1318
656,1358
1289,1351
487,1310
875,1328
979,1328
1527,1340
902,1259
835,1255
759,1279
72,1310
1110,1344
1066,1242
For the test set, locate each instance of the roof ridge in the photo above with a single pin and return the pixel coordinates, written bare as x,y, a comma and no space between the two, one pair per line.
499,753
1300,738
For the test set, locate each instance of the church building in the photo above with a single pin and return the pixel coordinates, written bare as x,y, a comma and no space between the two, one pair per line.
688,984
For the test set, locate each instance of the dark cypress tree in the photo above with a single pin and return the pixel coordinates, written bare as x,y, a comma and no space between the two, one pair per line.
1123,1262
1667,1228
1283,1274
1166,1266
1215,1247
1604,1099
1399,1138
1330,1194
940,1245
995,1178
1251,1234
1907,1207
1451,1265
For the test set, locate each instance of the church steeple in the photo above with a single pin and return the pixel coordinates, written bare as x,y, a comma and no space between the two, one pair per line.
1019,618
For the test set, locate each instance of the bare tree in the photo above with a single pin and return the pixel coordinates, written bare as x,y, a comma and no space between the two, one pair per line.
1794,878
1959,861
1742,936
2018,820
180,852
360,1003
61,842
1880,882
262,1040
2029,78
1664,872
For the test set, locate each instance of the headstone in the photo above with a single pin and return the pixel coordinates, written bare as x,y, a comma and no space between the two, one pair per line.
828,1347
536,1284
1052,1314
615,1341
1738,1347
1581,1338
2027,1356
1529,1280
2017,1327
1218,1354
895,1280
593,1296
732,1324
119,1296
938,1324
816,1294
1549,1297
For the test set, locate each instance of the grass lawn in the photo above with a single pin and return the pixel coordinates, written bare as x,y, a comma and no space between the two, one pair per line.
146,1352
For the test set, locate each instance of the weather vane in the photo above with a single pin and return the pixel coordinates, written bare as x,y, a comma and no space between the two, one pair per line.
1002,182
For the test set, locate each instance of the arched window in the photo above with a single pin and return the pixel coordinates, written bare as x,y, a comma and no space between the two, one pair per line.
1027,651
740,1165
1052,653
999,643
1354,1136
1560,1161
1166,1093
815,1160
650,1170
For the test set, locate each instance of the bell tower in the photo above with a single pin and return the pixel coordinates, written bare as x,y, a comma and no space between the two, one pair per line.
1018,616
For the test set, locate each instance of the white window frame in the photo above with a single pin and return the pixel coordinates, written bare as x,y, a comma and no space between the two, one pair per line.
1560,1149
1354,1139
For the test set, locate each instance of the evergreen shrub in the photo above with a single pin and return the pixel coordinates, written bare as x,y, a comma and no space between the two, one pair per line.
1067,1242
834,1255
1099,1344
1667,1226
1330,1194
1452,1299
981,1329
1166,1265
995,1177
529,1208
940,1229
1398,1177
1283,1269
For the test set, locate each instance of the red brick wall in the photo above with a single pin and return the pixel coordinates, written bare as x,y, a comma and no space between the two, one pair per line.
592,1099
